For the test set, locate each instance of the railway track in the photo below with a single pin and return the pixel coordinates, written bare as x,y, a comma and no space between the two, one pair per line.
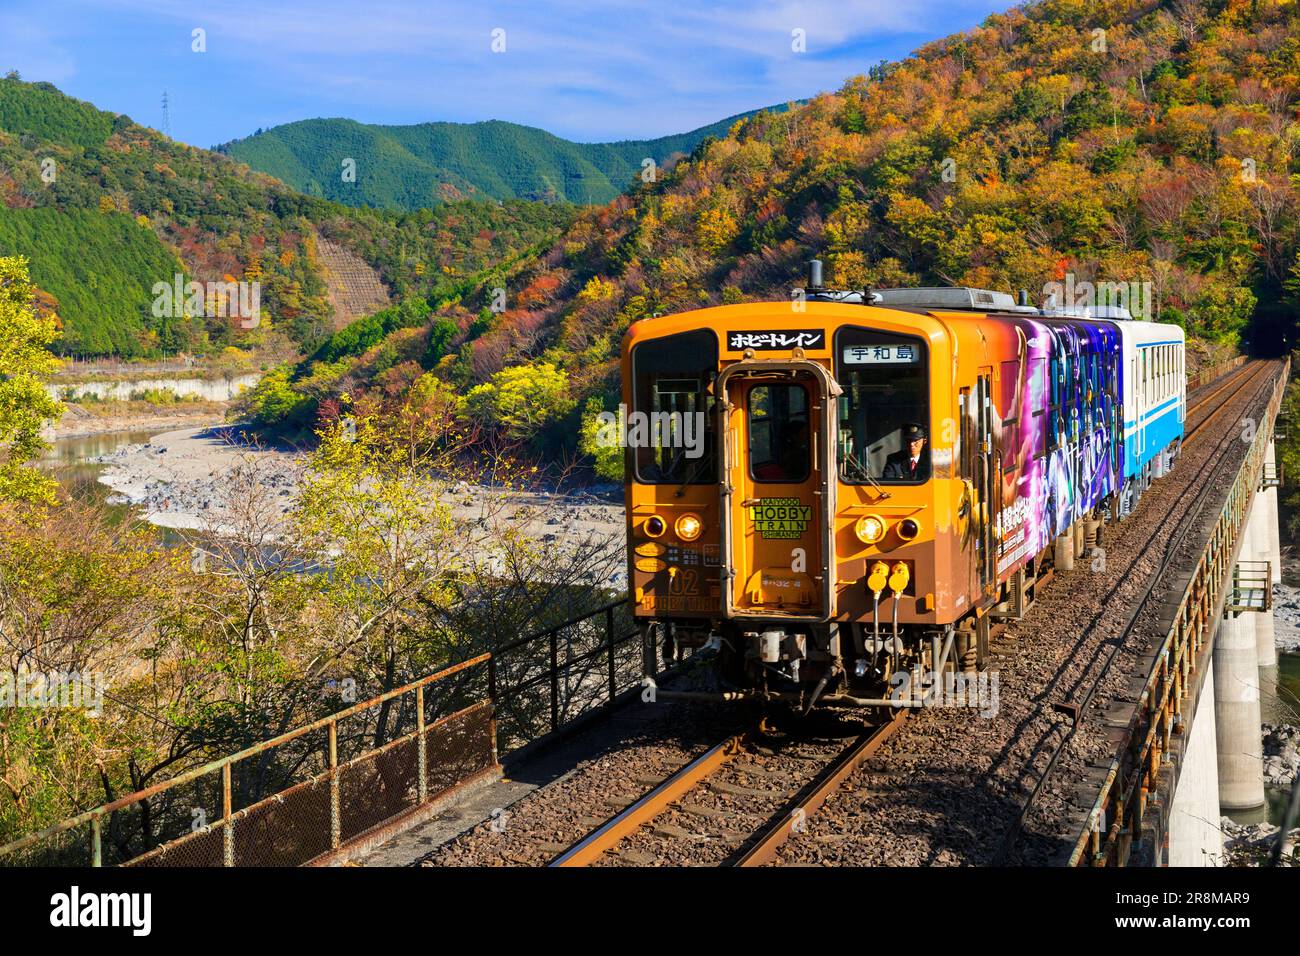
796,776
1241,378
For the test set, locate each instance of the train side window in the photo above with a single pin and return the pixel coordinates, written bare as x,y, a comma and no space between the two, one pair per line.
1054,405
1038,390
966,413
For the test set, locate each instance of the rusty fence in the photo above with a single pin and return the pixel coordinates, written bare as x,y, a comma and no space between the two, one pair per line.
297,796
303,794
1119,817
1208,375
545,681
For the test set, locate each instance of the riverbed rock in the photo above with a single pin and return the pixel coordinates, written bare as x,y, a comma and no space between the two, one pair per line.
1251,844
1281,755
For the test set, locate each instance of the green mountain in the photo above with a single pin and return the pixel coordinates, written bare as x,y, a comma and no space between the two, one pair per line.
105,208
410,167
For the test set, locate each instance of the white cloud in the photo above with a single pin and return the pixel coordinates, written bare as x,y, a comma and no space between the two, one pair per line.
623,68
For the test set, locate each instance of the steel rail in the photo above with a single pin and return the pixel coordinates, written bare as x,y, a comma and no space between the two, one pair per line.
628,820
814,794
1247,378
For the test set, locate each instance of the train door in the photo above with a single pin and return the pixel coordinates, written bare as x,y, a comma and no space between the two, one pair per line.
778,491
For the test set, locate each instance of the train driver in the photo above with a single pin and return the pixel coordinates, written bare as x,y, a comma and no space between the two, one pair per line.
913,462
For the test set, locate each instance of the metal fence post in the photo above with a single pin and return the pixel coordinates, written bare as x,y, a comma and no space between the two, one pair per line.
96,842
555,680
336,819
227,821
609,649
422,746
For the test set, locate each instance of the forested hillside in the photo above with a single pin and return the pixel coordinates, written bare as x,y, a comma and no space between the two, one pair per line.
170,207
99,269
1129,141
409,167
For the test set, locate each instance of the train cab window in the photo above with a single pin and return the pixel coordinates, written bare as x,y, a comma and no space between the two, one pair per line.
779,441
671,381
886,387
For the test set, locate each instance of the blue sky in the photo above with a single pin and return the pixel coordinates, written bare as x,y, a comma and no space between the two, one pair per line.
622,69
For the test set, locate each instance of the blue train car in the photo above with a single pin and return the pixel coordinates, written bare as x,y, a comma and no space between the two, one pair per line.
1153,390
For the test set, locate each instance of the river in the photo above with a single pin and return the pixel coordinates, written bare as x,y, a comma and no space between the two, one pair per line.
69,460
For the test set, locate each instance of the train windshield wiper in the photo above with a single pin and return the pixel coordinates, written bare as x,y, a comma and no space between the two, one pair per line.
691,473
865,472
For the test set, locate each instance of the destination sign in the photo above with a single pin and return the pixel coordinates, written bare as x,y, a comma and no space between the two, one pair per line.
901,354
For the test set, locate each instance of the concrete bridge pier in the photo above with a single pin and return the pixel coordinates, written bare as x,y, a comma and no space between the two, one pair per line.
1240,743
1195,838
1274,529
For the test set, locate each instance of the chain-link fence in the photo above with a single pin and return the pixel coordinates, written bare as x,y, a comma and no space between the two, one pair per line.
306,793
298,796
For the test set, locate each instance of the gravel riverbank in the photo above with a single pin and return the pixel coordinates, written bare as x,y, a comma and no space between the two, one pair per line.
180,479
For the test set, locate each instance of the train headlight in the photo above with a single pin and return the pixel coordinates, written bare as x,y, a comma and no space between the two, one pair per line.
655,526
908,529
869,529
688,527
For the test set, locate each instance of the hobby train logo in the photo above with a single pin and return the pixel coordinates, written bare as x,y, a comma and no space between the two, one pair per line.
771,340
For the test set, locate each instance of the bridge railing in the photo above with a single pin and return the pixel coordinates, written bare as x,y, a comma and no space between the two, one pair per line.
300,795
545,681
1208,375
1120,814
297,796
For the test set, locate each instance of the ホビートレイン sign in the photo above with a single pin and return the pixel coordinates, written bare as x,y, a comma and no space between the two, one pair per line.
781,517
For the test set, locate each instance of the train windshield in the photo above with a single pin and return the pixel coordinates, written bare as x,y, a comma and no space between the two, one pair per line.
885,408
671,428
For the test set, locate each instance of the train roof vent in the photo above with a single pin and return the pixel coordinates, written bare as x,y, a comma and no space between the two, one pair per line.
1113,312
949,297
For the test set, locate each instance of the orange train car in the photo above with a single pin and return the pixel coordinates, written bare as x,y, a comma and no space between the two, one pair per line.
839,492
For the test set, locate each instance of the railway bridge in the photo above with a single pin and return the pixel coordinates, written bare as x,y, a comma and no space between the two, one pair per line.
1118,718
